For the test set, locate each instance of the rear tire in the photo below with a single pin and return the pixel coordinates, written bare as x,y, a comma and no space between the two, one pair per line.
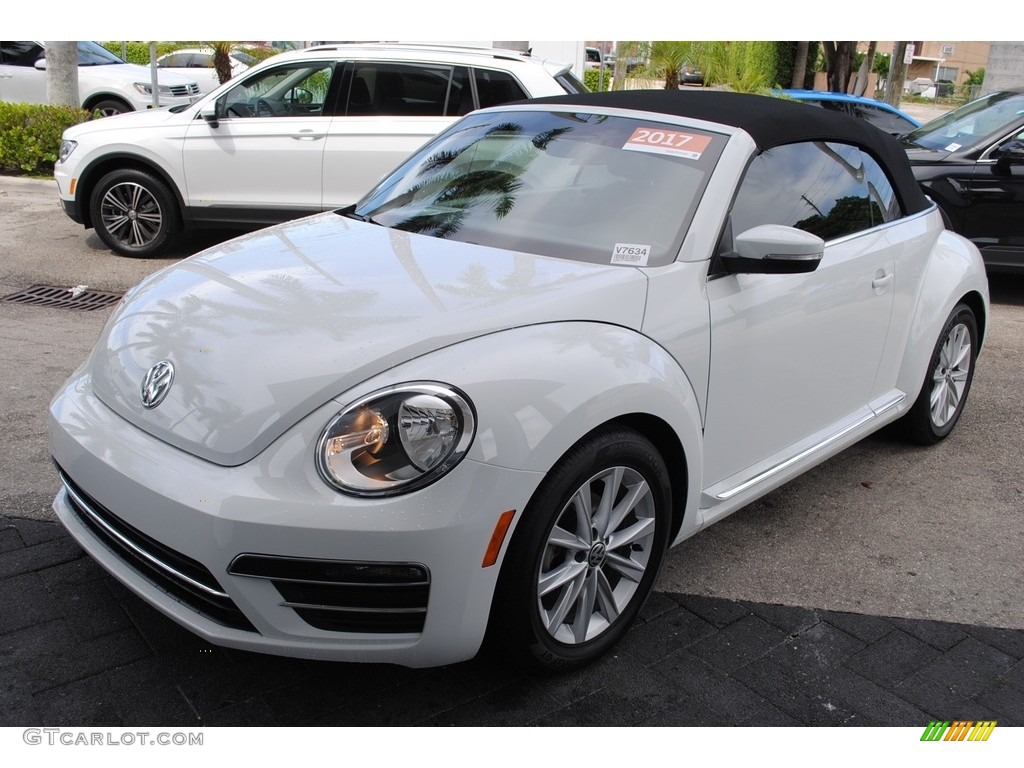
586,553
134,213
950,372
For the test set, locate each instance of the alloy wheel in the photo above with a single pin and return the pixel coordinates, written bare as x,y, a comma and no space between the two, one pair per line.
951,374
131,214
596,555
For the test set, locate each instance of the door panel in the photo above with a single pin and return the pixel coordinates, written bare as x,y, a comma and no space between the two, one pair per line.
792,355
266,154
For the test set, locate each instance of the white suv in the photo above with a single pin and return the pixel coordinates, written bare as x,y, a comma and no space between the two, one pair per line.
303,132
106,84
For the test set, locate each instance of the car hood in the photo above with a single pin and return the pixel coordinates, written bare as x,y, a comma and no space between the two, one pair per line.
119,73
922,156
140,119
264,329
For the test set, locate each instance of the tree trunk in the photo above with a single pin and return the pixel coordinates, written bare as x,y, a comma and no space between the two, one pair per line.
622,50
864,73
897,74
799,65
837,58
222,61
62,73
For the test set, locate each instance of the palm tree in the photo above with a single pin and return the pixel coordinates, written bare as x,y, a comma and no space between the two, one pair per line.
222,60
667,57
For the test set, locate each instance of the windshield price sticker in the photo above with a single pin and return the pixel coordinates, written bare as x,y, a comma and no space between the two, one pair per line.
688,145
631,253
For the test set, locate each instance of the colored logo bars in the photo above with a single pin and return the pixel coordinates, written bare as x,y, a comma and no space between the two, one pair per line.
958,730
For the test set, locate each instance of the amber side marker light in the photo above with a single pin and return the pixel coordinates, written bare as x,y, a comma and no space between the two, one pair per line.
74,183
497,538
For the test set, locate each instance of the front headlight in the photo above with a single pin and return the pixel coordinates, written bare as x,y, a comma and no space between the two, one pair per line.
146,89
66,148
396,440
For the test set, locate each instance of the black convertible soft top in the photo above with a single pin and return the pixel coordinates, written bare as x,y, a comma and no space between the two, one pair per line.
770,122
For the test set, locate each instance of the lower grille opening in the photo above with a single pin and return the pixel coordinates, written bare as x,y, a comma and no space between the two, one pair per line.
345,596
186,580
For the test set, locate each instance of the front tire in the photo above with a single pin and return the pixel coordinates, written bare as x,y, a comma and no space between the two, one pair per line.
586,554
134,213
950,372
110,107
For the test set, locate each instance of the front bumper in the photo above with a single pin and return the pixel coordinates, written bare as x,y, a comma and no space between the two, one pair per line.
264,557
71,209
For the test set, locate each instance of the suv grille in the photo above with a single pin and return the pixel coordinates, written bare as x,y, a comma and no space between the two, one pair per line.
186,580
341,596
190,89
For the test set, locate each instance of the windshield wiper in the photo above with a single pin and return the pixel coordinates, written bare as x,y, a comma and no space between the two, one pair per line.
350,213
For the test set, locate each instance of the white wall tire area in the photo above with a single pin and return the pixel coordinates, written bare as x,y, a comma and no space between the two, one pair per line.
586,553
950,372
134,213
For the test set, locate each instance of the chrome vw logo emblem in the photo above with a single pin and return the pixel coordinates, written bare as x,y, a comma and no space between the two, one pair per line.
157,383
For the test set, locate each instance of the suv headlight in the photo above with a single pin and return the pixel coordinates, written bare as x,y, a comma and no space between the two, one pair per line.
396,440
66,148
147,90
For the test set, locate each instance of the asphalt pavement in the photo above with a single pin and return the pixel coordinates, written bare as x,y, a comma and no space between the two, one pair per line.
881,588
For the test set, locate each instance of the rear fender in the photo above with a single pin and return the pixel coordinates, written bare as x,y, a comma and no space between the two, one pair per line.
956,273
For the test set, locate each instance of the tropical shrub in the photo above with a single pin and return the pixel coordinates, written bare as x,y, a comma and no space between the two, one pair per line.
30,136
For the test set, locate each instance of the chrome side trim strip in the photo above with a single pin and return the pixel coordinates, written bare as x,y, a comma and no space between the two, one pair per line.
135,548
783,465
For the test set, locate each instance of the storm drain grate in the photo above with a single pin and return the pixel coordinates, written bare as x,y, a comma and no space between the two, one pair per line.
64,298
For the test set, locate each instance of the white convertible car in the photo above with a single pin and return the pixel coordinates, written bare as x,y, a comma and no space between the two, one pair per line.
483,401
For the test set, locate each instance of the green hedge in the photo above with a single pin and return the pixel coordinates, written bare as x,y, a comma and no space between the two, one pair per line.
592,79
30,136
138,52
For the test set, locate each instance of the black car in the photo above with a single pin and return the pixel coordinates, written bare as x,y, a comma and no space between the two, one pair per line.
971,163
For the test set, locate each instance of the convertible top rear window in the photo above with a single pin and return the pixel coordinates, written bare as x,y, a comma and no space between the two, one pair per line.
606,190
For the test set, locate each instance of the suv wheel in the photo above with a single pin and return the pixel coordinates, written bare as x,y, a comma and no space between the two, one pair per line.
109,107
134,213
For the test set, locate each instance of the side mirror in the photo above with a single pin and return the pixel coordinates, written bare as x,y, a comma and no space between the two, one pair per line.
1010,153
40,63
209,114
772,249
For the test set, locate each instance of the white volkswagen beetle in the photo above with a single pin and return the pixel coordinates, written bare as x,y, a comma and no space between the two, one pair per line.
561,337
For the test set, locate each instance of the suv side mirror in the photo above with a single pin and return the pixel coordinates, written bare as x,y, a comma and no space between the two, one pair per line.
772,249
1010,153
209,114
40,63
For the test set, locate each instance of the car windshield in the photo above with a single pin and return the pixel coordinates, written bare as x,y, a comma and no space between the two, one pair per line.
92,54
970,123
595,188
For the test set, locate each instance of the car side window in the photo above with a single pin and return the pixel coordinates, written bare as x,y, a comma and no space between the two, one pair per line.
825,188
298,89
19,53
493,88
408,90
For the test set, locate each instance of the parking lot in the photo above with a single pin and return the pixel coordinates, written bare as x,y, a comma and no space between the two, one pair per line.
886,583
